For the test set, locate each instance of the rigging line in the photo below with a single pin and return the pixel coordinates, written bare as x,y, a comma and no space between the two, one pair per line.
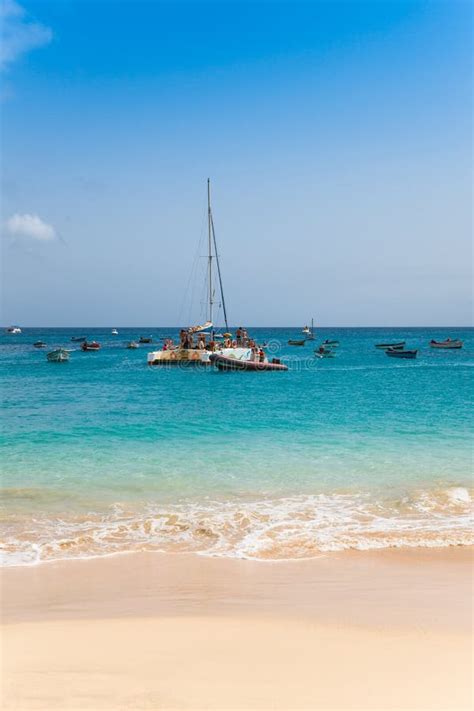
192,279
219,273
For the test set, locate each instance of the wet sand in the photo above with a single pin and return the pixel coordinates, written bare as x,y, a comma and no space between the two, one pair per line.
374,630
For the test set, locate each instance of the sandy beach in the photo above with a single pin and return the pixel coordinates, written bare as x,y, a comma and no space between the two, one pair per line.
379,630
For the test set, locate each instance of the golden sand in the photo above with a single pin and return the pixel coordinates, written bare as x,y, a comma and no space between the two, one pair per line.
352,631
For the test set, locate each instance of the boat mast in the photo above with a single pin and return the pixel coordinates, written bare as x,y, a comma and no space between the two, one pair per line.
219,274
209,230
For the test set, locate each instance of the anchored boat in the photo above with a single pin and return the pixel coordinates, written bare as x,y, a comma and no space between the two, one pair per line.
223,362
197,343
447,344
39,344
60,355
385,346
400,353
90,346
294,342
78,339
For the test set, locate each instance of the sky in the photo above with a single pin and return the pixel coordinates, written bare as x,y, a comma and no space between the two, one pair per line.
337,137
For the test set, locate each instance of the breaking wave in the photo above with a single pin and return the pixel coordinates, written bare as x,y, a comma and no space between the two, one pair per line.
256,528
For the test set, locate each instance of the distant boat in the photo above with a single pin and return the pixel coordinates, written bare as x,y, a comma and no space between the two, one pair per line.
145,339
90,346
384,346
114,332
309,331
399,353
132,344
78,339
333,344
13,329
60,355
297,342
224,363
39,344
448,343
324,352
306,330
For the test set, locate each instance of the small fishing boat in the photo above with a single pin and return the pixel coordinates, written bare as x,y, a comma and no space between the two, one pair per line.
14,329
332,344
78,339
306,330
225,363
39,344
400,353
114,332
60,355
90,346
393,346
132,345
447,344
293,342
323,352
145,339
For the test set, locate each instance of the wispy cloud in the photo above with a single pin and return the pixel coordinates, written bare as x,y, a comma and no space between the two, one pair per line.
19,33
31,227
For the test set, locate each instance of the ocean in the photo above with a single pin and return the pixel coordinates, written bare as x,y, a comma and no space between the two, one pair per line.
105,455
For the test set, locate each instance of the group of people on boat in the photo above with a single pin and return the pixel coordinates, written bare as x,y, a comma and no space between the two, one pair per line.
207,341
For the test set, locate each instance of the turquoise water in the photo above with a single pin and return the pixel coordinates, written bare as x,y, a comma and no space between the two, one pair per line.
104,454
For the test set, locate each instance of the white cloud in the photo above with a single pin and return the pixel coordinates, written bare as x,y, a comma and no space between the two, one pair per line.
32,227
19,34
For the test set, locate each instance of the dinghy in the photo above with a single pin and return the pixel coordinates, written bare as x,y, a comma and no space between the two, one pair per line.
90,346
384,346
448,343
225,363
400,353
60,355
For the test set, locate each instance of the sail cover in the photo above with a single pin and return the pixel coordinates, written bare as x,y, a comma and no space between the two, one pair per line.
197,329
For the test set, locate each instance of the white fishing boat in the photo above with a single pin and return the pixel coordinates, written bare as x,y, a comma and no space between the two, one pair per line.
59,355
197,343
306,330
14,329
114,332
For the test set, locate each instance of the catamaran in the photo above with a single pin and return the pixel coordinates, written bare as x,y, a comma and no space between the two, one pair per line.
198,342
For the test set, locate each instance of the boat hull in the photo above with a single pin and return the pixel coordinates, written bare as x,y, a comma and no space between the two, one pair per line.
447,345
297,343
224,363
402,354
194,356
385,346
58,356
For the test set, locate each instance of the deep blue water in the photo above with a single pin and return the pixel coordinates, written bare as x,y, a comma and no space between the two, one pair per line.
103,453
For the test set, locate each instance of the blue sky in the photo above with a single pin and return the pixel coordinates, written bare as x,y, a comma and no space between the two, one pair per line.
336,135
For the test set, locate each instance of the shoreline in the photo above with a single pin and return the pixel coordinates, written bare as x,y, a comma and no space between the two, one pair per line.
355,630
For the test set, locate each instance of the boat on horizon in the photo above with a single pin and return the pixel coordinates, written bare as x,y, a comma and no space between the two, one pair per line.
114,332
13,329
400,353
296,342
59,355
90,346
384,346
447,344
